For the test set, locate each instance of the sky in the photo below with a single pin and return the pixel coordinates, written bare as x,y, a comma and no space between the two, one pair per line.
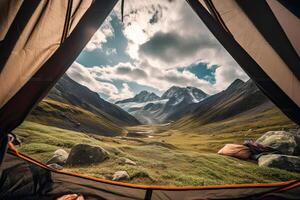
159,44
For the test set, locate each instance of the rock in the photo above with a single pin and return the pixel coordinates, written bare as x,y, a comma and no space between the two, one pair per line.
285,142
55,166
129,162
84,154
59,157
120,175
290,163
61,152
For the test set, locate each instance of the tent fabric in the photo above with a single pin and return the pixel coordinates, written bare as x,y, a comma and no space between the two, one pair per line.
34,44
288,21
40,182
253,53
273,33
50,68
292,6
256,44
8,12
42,48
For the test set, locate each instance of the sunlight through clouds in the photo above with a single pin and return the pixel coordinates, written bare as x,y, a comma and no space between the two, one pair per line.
159,38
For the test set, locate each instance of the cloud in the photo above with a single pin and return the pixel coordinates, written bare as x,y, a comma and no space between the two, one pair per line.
83,76
121,71
100,36
179,39
158,38
174,49
135,73
124,93
147,75
226,75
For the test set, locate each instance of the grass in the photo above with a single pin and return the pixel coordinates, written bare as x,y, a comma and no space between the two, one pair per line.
210,137
172,156
66,116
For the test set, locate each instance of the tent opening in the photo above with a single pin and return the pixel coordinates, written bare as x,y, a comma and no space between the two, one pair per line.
108,99
151,101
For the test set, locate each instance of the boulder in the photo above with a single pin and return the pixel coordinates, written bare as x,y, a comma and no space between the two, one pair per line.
55,166
59,157
289,163
283,141
84,154
120,175
61,152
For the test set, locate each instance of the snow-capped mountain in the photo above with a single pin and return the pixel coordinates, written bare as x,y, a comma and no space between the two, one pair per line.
143,96
189,94
148,108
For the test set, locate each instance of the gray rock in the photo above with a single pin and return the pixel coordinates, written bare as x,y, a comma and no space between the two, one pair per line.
84,154
285,142
289,163
59,157
55,166
120,175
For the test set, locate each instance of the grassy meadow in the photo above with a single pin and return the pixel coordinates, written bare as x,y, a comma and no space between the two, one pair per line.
169,154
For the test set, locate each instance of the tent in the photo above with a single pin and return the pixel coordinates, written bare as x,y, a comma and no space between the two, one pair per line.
37,46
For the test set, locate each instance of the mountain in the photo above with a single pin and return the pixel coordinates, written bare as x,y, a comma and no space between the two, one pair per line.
143,96
191,103
190,94
61,115
74,106
239,98
158,110
70,92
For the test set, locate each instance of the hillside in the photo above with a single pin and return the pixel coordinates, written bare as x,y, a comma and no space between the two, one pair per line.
239,98
72,106
177,103
66,116
169,157
70,92
164,152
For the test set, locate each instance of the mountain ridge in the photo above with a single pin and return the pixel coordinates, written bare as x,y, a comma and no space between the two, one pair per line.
142,96
69,91
237,98
157,110
72,106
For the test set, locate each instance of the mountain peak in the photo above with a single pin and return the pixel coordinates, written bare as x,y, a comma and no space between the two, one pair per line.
144,92
237,83
143,96
189,94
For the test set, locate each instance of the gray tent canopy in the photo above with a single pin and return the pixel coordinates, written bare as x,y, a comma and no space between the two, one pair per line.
37,46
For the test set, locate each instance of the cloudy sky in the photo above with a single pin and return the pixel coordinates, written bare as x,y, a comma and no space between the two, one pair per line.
160,43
